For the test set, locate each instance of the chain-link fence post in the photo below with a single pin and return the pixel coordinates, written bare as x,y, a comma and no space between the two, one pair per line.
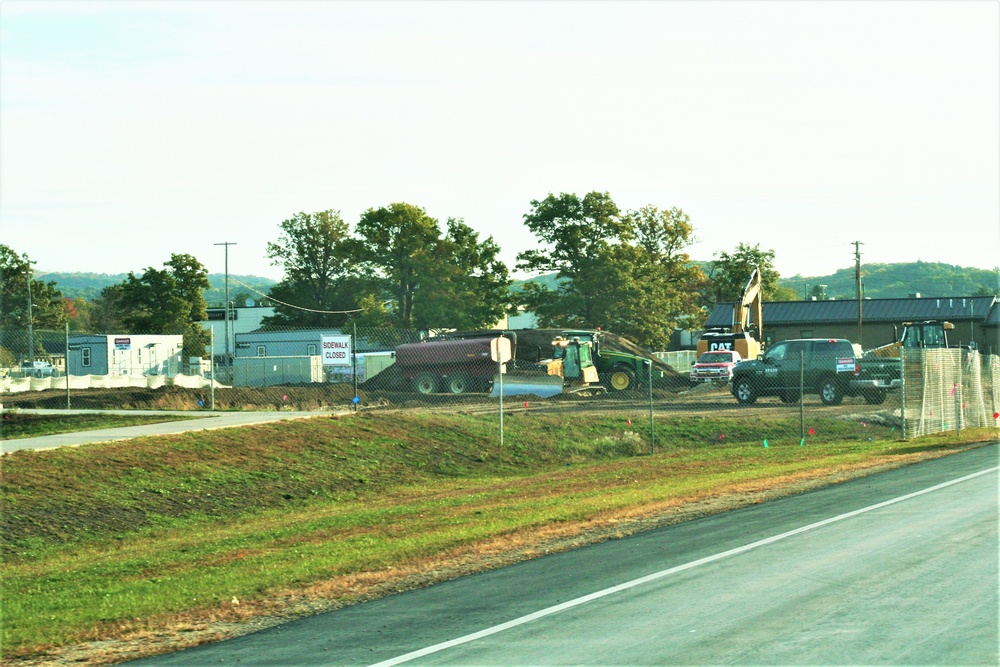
649,378
802,397
66,365
902,392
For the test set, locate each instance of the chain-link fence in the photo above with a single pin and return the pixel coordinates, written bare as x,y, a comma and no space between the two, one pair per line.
502,372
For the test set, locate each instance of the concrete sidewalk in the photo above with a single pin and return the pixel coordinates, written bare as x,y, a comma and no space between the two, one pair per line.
203,421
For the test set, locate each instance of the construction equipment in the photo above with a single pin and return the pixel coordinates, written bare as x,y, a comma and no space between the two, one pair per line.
930,334
748,323
457,366
570,369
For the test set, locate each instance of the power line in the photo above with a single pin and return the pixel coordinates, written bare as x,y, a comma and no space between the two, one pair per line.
302,308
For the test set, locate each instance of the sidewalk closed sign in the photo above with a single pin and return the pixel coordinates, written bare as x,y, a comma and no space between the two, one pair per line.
336,350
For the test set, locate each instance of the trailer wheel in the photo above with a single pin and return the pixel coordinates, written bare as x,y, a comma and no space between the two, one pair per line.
425,383
621,378
459,383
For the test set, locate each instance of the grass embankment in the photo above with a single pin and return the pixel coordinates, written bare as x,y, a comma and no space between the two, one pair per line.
15,424
114,539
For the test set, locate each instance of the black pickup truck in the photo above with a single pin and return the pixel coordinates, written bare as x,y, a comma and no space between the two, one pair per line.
830,367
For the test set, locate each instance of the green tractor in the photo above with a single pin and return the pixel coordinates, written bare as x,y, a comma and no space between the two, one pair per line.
619,370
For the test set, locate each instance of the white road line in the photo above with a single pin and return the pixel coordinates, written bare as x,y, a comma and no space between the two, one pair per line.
663,573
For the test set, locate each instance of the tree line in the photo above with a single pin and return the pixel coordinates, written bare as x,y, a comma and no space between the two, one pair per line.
626,271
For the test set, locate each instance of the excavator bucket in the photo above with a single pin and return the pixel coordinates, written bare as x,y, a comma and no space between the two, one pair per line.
519,384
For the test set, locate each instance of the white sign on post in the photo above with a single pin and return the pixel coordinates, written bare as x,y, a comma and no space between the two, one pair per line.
336,350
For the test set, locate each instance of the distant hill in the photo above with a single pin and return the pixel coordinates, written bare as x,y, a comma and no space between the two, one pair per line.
889,281
880,281
89,285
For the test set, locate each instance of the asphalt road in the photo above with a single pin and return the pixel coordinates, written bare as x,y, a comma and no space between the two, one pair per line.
205,420
895,568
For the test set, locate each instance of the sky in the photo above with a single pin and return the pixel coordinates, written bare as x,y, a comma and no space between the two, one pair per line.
133,130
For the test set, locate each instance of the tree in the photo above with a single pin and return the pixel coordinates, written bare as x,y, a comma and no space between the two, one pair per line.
317,254
731,271
17,286
624,273
464,285
160,301
430,281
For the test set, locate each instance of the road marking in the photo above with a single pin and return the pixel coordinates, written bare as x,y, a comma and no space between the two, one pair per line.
664,573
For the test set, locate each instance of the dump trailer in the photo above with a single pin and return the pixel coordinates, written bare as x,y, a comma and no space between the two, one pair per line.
453,366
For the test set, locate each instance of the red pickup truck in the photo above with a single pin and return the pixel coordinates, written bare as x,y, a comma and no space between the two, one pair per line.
715,366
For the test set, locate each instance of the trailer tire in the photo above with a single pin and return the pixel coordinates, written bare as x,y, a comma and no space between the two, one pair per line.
425,383
459,383
621,378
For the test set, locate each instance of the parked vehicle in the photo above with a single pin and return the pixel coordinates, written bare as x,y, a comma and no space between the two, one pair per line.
37,369
832,368
715,366
748,324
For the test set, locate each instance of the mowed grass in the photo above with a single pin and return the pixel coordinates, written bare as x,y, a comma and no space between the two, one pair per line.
105,540
15,424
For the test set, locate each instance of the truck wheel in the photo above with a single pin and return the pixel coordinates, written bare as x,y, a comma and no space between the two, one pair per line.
829,392
875,397
459,383
743,391
621,378
425,383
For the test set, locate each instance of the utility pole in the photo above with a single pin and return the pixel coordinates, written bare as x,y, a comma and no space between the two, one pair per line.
31,312
228,358
857,277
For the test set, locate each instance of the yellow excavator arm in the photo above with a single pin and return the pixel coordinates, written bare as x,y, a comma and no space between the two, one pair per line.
749,305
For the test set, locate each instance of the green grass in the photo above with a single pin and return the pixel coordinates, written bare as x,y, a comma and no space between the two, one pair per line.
15,424
105,539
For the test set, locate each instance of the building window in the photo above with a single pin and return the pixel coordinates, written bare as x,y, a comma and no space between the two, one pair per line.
261,351
311,349
806,333
85,356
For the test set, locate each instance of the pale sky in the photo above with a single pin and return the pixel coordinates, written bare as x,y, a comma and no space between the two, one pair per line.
133,130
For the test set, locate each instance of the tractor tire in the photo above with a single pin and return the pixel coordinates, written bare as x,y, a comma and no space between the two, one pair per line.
425,383
830,393
744,392
459,383
621,378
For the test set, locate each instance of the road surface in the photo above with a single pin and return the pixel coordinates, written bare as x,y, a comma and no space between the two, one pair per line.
895,568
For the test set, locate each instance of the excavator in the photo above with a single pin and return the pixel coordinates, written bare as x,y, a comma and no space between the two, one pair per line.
748,323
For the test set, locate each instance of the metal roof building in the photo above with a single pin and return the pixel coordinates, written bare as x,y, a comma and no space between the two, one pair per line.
976,319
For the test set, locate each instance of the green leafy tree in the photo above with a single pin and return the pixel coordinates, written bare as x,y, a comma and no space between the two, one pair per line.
46,312
731,271
626,273
430,281
321,281
464,285
160,301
